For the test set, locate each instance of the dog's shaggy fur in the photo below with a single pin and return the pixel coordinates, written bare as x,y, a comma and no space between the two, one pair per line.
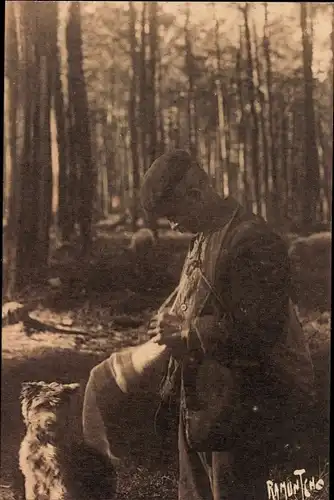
55,462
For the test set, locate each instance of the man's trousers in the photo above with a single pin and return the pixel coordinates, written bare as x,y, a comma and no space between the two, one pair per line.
233,475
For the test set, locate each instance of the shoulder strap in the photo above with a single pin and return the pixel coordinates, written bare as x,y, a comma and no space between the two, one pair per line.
218,241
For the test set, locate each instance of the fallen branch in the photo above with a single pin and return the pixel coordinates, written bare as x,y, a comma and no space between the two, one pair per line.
14,312
32,325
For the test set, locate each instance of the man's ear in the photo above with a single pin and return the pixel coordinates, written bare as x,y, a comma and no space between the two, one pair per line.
194,194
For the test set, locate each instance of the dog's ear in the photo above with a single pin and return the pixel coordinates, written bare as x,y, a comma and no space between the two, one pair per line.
71,388
69,391
29,390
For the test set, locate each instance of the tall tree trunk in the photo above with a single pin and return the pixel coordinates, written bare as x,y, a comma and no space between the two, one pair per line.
14,179
62,143
46,30
294,175
27,153
103,165
311,160
233,155
284,161
161,127
329,162
243,139
278,148
178,127
223,160
171,128
290,157
273,152
133,116
37,145
189,67
207,141
109,135
326,181
99,161
332,93
143,77
87,177
125,161
31,111
153,44
222,155
254,119
263,122
322,197
73,148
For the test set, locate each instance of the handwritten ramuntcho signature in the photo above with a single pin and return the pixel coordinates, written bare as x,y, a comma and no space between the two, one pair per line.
302,487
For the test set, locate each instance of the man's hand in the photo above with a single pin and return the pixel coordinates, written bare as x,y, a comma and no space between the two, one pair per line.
166,329
165,322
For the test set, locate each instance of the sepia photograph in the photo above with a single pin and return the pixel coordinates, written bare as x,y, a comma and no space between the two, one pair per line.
166,270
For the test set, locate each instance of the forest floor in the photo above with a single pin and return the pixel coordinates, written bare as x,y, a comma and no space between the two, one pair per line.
110,300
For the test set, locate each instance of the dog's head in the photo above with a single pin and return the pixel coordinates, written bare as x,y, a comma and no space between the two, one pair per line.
47,405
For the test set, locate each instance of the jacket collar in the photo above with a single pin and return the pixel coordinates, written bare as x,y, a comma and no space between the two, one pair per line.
230,207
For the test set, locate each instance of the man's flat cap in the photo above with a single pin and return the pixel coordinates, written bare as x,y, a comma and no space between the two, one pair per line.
161,179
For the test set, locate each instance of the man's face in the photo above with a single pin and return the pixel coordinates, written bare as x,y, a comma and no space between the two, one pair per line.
185,207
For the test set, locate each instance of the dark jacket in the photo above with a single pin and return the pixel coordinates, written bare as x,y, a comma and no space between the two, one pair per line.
234,299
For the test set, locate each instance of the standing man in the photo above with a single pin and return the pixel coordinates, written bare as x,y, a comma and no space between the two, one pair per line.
229,348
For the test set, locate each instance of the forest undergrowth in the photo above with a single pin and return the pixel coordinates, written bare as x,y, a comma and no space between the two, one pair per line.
111,303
